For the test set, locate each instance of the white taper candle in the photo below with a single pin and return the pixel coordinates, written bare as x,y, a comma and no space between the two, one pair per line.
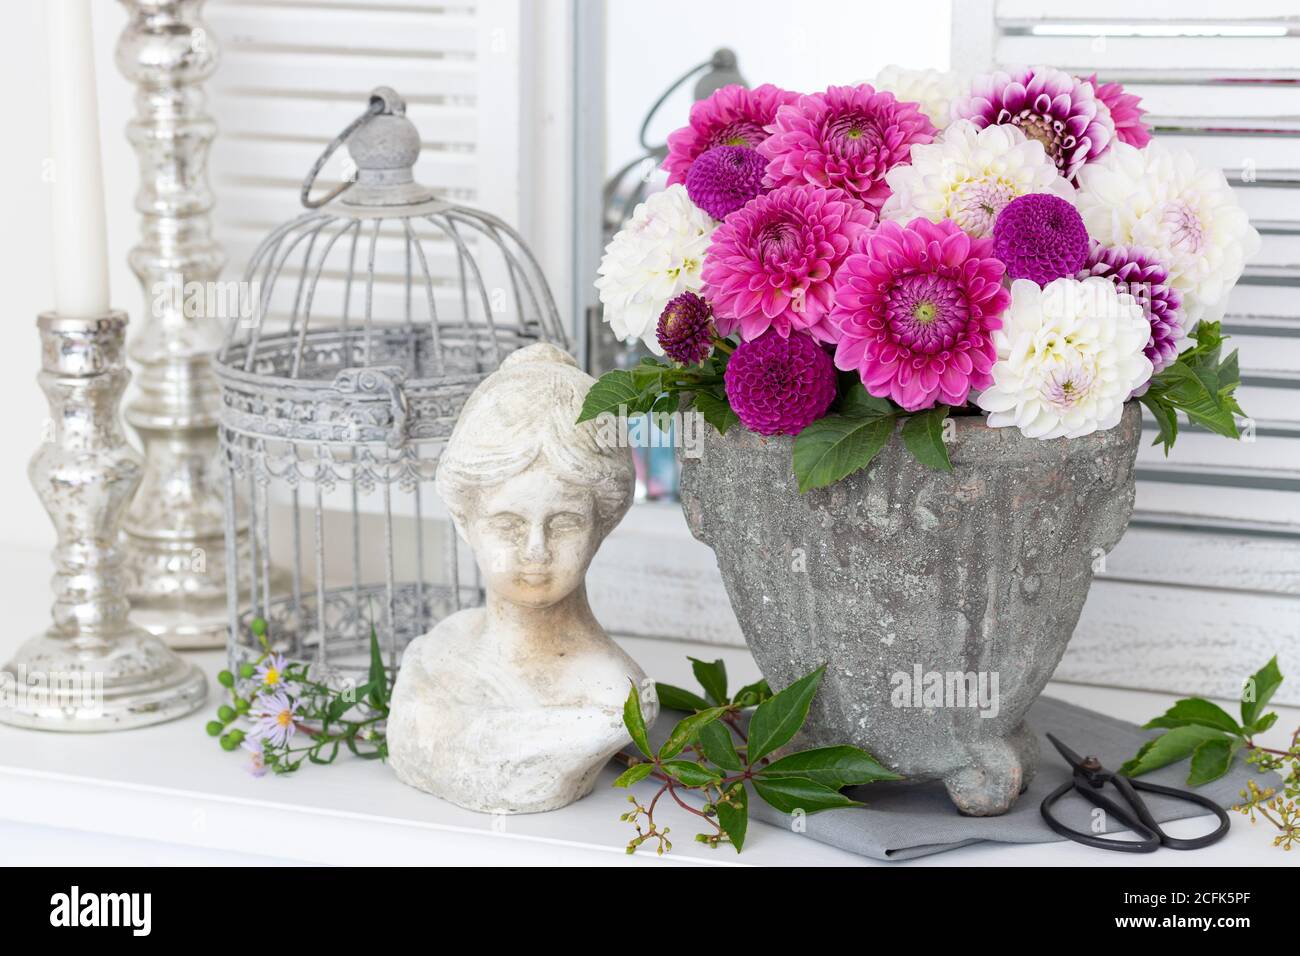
80,236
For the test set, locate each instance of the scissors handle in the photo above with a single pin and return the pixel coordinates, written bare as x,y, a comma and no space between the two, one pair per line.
1150,834
1128,786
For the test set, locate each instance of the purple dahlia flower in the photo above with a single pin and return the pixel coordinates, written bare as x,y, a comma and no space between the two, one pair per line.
733,116
1040,237
724,179
1060,111
685,329
778,385
1138,272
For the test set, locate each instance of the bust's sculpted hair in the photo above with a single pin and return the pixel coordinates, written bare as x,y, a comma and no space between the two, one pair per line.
525,412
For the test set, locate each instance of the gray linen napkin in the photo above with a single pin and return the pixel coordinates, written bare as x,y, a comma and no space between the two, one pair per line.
904,821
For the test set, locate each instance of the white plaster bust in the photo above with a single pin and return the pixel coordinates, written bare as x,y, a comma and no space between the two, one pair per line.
514,707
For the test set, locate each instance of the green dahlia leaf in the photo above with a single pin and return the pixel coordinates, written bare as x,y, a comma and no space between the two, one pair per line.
834,447
923,436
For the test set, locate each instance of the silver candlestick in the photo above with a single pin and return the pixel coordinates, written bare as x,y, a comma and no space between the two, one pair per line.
92,669
176,560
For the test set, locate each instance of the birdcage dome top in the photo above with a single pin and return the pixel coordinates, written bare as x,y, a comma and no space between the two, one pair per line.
372,316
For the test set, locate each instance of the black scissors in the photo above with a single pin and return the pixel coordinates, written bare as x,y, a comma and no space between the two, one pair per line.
1088,779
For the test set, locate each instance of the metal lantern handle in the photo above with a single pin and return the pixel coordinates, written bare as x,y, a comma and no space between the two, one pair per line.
378,104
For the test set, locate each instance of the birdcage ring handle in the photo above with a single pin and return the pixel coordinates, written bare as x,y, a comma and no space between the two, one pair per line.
374,108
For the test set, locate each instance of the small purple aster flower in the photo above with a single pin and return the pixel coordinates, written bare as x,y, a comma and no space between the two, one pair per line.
256,759
274,718
1138,272
685,329
723,179
1040,237
270,673
778,385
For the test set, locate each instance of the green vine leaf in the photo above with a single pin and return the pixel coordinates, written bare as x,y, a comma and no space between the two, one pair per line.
751,695
690,773
712,677
676,698
1259,690
777,720
718,746
733,814
1170,747
792,794
634,721
923,436
686,730
834,447
1195,710
634,774
834,767
1211,760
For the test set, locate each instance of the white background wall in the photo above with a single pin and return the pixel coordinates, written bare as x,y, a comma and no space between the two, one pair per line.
804,46
26,279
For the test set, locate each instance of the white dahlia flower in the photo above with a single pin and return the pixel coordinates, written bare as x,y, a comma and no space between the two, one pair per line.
656,256
1187,215
1069,356
933,90
969,175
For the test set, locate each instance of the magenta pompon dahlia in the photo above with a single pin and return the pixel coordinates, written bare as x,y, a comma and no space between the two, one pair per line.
916,307
772,262
1041,237
847,138
1060,111
1138,272
723,179
778,385
685,330
1126,112
732,116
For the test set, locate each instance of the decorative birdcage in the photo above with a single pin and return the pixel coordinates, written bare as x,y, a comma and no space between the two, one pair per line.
372,318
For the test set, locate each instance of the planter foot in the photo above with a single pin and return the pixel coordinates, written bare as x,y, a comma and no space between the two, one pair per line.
999,771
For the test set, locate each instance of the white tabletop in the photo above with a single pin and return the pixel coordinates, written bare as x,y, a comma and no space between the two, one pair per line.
170,795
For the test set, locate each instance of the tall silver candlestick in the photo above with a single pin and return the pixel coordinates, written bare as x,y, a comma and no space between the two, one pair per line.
176,561
92,669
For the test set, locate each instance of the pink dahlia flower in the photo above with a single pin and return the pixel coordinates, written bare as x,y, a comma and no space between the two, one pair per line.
1060,111
916,307
771,263
778,385
1126,112
847,137
733,116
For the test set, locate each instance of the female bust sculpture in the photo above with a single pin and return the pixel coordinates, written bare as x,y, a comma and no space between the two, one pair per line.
514,707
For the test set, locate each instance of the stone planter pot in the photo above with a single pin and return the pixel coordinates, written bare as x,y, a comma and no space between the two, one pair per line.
940,603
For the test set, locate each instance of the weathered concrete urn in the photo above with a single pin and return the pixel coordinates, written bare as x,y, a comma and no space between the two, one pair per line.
900,572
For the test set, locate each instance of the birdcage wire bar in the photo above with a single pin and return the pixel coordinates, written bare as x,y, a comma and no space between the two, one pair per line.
371,324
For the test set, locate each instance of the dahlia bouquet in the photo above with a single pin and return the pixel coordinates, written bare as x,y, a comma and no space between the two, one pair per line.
828,265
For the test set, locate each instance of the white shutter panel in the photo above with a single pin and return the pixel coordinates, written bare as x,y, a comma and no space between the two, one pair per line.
293,73
1206,584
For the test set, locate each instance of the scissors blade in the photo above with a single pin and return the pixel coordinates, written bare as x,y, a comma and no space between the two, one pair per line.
1072,758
